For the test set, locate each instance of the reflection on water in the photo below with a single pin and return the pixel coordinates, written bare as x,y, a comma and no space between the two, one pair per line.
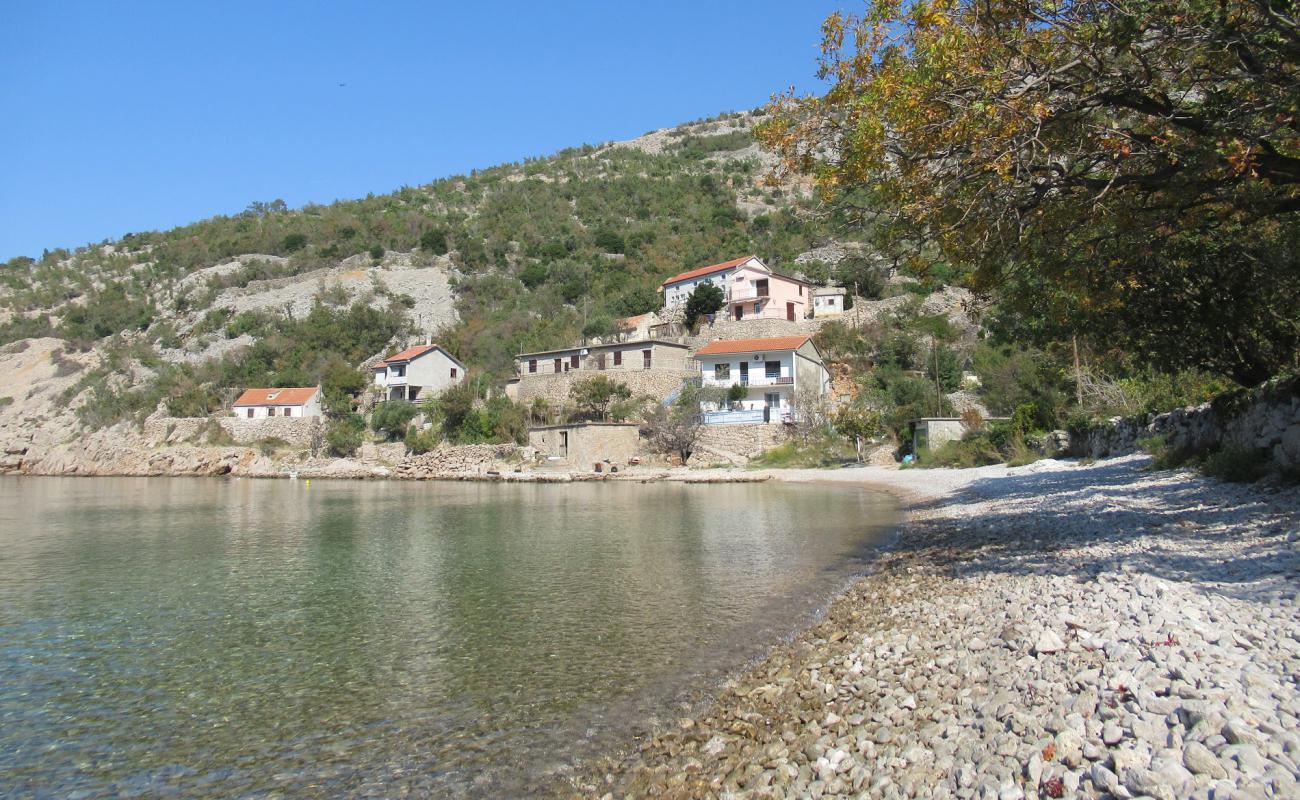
237,637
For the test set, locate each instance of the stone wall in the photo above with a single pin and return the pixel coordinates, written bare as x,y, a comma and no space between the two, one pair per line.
297,431
752,329
587,443
735,444
1265,420
655,383
467,459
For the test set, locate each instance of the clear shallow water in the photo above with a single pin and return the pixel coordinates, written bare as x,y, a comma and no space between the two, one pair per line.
239,638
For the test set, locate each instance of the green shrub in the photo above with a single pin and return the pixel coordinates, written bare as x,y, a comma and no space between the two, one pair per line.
421,441
293,242
816,451
1236,464
4,401
343,436
271,445
391,419
434,241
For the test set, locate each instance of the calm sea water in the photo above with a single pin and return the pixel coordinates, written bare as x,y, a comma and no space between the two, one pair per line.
254,638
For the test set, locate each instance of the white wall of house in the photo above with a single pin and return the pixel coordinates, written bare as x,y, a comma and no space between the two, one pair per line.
309,409
829,305
433,372
675,294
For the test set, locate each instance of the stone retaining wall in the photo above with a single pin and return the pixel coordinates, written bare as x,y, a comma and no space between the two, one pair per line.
655,383
464,459
297,431
1266,420
735,444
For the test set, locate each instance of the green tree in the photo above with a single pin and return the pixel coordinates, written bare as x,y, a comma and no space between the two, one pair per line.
595,394
859,423
344,434
703,300
1125,171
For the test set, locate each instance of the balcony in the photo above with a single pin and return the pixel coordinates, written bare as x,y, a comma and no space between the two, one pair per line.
747,416
741,294
752,380
395,380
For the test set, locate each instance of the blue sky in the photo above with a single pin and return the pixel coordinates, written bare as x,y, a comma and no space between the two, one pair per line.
128,116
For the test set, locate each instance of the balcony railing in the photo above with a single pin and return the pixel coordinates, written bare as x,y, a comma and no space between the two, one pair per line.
394,380
742,293
752,380
736,417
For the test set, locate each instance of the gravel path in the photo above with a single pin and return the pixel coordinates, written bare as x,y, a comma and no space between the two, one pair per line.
1055,630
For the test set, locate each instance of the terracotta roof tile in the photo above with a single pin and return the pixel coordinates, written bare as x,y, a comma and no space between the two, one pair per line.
771,344
410,353
286,396
695,273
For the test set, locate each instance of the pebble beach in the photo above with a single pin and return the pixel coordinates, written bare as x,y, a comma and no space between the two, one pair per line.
1055,630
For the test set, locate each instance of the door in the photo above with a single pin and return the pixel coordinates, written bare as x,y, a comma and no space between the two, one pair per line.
740,312
564,444
772,399
789,311
645,359
744,373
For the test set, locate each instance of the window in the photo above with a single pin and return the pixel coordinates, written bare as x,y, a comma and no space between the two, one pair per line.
573,361
532,365
760,287
645,359
801,290
772,400
618,358
270,412
721,372
250,413
288,412
772,369
397,372
453,372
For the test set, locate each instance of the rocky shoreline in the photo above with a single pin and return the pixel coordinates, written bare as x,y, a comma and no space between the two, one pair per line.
1057,630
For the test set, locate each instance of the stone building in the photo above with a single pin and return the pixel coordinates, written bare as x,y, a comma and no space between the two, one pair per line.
649,367
585,444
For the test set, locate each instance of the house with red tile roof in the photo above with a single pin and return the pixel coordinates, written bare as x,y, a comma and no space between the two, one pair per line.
418,373
288,401
770,370
750,289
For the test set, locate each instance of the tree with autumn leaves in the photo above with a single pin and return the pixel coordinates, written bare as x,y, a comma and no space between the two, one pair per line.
1125,172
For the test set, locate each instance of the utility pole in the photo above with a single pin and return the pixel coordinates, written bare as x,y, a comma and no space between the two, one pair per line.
938,388
1078,373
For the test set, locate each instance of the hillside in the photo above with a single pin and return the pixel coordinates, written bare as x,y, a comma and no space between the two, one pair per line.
520,256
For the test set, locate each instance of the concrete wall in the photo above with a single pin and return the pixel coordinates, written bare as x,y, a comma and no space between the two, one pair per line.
631,354
587,443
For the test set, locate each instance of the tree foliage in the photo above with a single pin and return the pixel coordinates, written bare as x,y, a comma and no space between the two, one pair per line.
1125,170
595,394
703,300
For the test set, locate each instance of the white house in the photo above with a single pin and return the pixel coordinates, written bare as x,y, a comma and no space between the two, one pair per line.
291,401
418,373
772,370
828,301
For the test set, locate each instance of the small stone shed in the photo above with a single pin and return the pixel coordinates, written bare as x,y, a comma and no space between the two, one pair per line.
930,433
583,444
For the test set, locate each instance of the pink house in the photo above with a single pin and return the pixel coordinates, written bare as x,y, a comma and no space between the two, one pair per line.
756,292
752,291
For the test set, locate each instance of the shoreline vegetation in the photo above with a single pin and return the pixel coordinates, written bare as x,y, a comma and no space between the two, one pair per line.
1063,629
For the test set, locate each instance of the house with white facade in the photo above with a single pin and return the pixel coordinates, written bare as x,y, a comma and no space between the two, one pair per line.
750,290
828,301
418,373
771,371
288,401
